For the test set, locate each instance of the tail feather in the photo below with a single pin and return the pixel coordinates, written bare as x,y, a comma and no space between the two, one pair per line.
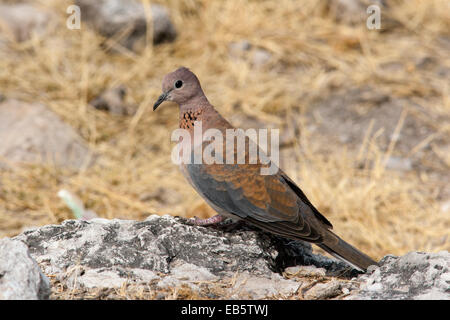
346,252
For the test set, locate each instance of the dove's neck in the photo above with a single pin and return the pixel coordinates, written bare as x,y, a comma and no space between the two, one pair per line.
197,119
200,110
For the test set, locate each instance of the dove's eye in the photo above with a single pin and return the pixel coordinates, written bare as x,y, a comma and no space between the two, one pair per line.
178,84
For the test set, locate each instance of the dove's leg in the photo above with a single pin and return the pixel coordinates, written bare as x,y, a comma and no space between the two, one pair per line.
206,222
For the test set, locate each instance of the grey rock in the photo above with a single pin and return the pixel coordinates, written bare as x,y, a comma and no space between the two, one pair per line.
186,273
401,164
352,11
115,277
169,253
20,21
425,62
111,17
165,253
416,275
20,276
393,67
248,286
191,272
260,57
239,47
157,244
324,291
244,50
163,28
31,133
309,271
113,101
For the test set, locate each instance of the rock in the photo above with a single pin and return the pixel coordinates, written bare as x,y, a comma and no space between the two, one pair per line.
416,275
349,11
425,62
243,50
171,259
248,286
113,101
186,273
401,164
260,57
31,133
111,17
20,276
168,253
309,271
354,12
236,49
163,29
324,291
191,272
156,244
20,21
114,277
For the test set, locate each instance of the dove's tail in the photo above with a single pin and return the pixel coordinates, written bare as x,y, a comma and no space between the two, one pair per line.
344,251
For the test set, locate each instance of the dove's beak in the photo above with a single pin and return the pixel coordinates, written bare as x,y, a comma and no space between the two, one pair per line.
160,100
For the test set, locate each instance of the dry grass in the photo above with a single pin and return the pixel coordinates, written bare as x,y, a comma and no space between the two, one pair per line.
379,211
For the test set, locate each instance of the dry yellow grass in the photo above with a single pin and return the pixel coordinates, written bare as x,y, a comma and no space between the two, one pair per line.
379,211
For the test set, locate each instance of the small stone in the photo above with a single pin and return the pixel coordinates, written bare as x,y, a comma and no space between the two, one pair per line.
305,271
260,57
190,272
255,288
353,11
425,62
401,164
113,101
324,290
237,48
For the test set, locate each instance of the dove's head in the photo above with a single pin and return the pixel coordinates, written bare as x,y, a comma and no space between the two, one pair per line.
182,87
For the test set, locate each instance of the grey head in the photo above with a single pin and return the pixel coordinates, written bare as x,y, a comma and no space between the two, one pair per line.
182,87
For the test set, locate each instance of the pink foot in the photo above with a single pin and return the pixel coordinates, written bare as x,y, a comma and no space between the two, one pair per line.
206,222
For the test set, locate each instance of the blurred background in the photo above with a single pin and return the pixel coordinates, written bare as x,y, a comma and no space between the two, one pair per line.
364,114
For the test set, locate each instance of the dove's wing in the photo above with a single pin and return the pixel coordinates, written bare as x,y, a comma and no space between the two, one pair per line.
267,201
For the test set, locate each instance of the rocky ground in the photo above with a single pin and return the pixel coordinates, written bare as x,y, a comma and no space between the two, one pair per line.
167,258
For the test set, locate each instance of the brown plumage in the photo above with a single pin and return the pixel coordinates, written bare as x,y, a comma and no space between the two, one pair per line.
273,203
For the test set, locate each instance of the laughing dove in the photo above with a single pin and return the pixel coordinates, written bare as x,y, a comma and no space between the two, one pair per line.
271,202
